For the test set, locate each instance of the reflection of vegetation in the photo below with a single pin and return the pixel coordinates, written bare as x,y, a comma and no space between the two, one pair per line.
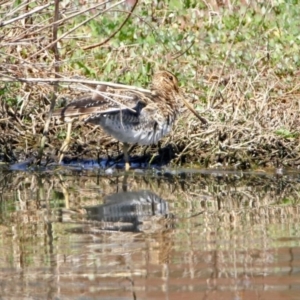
239,64
216,198
222,221
214,192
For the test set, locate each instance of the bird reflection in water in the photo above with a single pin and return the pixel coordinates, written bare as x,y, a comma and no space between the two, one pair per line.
130,211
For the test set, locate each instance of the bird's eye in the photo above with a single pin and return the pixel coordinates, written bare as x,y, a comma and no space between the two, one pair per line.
171,77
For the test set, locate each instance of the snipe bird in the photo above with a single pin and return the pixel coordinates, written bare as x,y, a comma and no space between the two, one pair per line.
135,118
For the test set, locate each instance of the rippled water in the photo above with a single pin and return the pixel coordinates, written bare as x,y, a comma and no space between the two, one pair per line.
205,234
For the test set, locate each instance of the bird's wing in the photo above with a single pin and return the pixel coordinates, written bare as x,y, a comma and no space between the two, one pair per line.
110,101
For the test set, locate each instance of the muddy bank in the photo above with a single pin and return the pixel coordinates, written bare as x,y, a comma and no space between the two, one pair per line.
245,135
239,73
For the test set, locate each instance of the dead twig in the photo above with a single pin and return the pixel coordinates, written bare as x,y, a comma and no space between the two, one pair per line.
33,11
70,80
55,89
71,30
115,32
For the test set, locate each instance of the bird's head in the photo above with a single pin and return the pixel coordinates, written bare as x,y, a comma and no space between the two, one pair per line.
165,82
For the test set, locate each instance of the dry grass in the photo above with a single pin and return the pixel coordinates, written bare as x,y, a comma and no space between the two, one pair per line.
237,63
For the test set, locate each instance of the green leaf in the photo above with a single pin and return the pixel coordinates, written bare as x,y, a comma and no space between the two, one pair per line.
176,4
87,70
285,133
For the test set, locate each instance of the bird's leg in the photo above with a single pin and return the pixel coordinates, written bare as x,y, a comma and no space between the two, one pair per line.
128,151
66,143
126,156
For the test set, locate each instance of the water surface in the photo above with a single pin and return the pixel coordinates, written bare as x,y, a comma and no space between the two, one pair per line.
69,234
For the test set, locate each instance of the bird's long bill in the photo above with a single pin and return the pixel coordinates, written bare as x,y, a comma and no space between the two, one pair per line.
194,111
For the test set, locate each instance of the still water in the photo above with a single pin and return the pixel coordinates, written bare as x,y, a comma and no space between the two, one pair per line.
69,234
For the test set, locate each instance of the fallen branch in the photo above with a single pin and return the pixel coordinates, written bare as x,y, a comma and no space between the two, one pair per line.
69,80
